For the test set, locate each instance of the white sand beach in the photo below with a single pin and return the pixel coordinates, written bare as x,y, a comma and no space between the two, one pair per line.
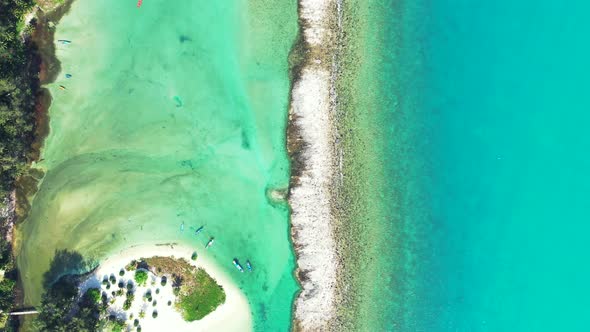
233,315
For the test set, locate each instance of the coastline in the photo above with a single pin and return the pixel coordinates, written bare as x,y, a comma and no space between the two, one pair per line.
45,65
233,315
44,60
310,140
45,17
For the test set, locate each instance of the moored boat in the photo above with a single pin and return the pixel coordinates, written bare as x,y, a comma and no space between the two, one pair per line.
249,266
237,265
210,243
199,230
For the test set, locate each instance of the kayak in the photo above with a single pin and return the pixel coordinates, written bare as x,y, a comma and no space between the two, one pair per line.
210,243
199,230
249,266
64,41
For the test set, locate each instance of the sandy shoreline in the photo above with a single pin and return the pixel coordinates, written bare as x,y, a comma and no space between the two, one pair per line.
312,134
233,315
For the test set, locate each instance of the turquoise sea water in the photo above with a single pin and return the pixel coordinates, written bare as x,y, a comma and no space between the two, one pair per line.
490,107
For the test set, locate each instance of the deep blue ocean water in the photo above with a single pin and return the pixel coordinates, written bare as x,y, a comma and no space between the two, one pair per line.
500,96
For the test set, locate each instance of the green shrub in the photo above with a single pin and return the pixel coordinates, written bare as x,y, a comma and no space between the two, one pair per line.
136,322
122,272
164,281
197,302
118,326
127,303
141,277
154,314
194,256
157,291
93,294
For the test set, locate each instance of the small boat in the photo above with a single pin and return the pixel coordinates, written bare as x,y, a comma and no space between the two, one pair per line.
68,75
139,2
61,87
64,41
249,266
237,265
210,243
199,230
182,226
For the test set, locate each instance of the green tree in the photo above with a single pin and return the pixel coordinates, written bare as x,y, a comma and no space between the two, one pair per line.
93,294
61,309
18,86
118,326
141,277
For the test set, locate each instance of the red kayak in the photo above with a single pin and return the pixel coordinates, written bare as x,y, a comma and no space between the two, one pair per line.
139,3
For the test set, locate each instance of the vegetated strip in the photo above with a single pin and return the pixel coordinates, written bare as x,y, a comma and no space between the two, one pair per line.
23,123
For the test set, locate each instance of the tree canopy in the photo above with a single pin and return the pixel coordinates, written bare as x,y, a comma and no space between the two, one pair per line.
18,84
60,311
141,277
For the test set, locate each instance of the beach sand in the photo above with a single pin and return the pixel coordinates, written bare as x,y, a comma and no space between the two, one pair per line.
233,315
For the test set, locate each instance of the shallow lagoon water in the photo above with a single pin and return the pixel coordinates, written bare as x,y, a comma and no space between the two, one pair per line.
174,118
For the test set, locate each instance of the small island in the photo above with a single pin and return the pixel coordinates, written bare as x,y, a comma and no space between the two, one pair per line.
192,291
155,293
